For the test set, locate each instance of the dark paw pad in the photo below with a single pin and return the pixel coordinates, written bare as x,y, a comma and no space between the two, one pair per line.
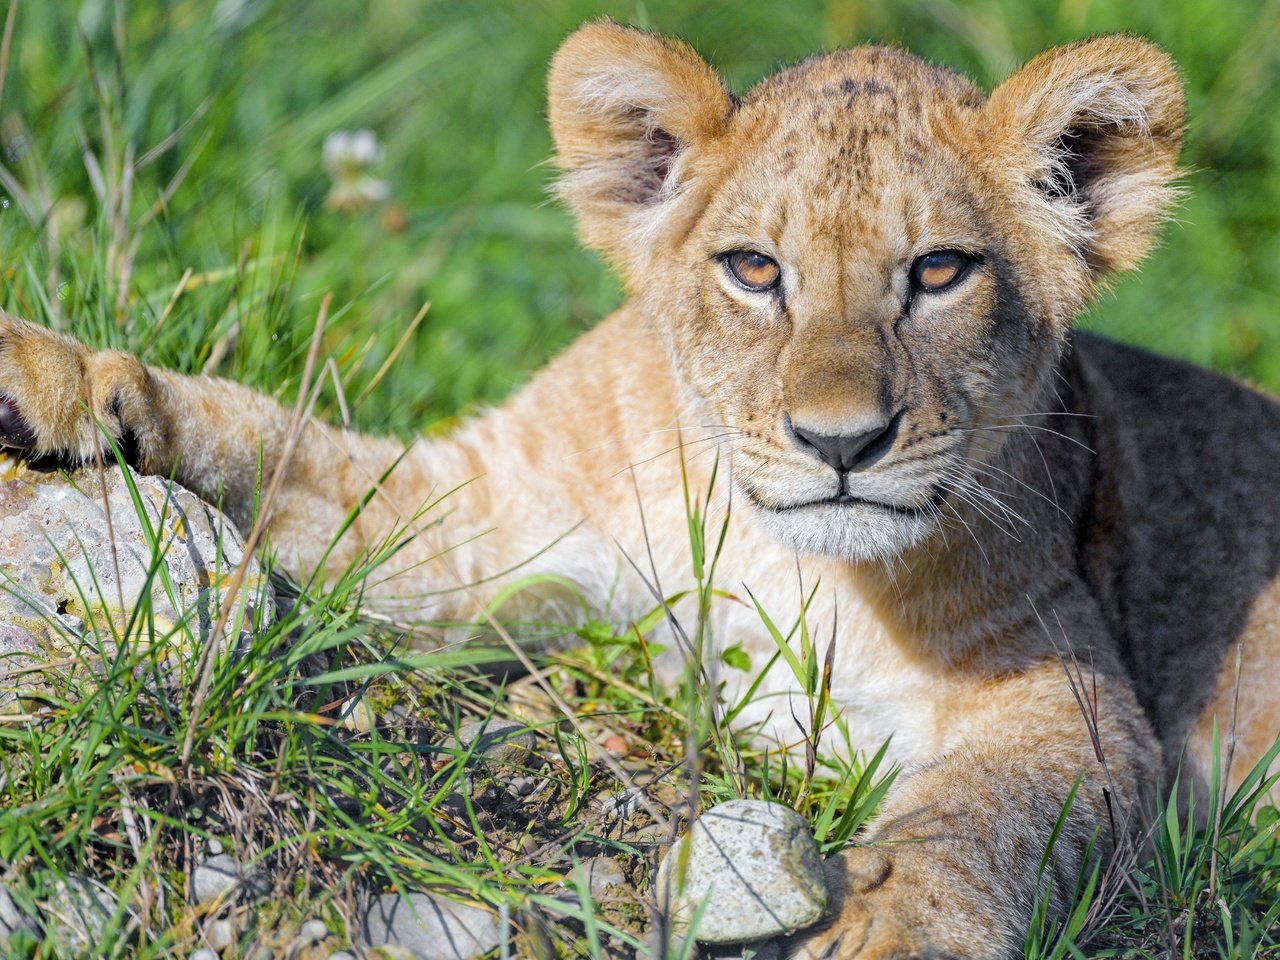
15,432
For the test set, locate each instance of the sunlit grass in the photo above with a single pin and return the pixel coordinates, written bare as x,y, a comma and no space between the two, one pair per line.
162,191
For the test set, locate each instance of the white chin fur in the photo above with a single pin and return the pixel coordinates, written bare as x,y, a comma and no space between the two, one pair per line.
850,531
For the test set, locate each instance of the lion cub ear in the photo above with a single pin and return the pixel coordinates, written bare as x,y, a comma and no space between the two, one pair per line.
628,109
1092,131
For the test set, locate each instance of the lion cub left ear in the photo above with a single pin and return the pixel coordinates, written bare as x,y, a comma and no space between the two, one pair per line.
628,111
1092,131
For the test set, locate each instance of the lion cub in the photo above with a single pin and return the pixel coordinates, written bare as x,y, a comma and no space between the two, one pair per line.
853,287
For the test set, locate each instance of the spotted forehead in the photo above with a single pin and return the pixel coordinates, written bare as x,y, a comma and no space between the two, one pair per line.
856,107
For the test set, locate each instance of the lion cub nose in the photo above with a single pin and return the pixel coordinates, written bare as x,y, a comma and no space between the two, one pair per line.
845,452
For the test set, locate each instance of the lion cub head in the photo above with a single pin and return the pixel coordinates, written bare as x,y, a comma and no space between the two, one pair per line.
864,266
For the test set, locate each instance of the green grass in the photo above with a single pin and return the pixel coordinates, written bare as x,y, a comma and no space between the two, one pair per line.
162,190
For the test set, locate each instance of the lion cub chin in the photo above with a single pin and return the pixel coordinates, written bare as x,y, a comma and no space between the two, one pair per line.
850,291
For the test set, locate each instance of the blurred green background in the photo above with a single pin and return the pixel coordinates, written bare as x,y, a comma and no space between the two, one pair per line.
140,141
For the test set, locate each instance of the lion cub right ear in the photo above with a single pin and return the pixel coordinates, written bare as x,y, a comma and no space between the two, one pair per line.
628,113
1092,130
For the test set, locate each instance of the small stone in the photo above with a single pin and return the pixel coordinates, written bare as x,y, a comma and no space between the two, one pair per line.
358,716
756,868
12,919
204,953
521,786
214,878
602,875
389,952
760,950
219,934
313,931
495,739
76,914
432,928
214,846
341,955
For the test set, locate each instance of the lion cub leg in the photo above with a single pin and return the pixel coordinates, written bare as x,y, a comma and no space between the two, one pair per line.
218,438
952,866
1244,704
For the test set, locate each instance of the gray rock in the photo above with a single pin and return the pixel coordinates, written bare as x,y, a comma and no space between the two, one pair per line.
602,876
521,787
76,914
751,866
204,953
63,579
219,934
216,877
495,739
12,919
432,928
313,931
341,955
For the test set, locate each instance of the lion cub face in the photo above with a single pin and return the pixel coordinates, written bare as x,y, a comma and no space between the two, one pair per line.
864,269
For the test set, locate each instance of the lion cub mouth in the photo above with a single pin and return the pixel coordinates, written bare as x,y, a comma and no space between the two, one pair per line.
846,499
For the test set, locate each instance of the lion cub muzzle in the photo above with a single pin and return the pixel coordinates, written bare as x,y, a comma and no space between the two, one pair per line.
846,452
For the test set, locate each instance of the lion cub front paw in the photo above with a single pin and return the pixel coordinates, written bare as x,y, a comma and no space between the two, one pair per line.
49,384
894,903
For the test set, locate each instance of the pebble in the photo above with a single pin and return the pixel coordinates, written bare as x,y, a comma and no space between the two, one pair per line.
220,874
755,866
219,934
76,914
521,786
358,716
431,928
761,950
601,875
341,955
505,741
214,846
12,919
313,931
204,953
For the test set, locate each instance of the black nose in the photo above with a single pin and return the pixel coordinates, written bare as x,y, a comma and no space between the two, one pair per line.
845,452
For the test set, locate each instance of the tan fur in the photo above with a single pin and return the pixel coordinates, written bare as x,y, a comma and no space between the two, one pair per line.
1037,581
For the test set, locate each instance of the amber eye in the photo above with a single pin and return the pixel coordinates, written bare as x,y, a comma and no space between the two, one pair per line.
752,270
939,270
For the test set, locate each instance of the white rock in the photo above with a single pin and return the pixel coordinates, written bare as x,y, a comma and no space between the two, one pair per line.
214,878
751,866
431,928
204,953
12,919
64,578
358,716
313,931
219,934
77,914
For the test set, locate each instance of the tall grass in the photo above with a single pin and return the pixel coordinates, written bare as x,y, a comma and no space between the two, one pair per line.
162,190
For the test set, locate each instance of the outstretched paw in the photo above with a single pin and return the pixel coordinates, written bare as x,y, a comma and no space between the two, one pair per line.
49,384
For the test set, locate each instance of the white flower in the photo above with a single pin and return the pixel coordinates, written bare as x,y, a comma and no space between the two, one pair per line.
347,154
347,150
